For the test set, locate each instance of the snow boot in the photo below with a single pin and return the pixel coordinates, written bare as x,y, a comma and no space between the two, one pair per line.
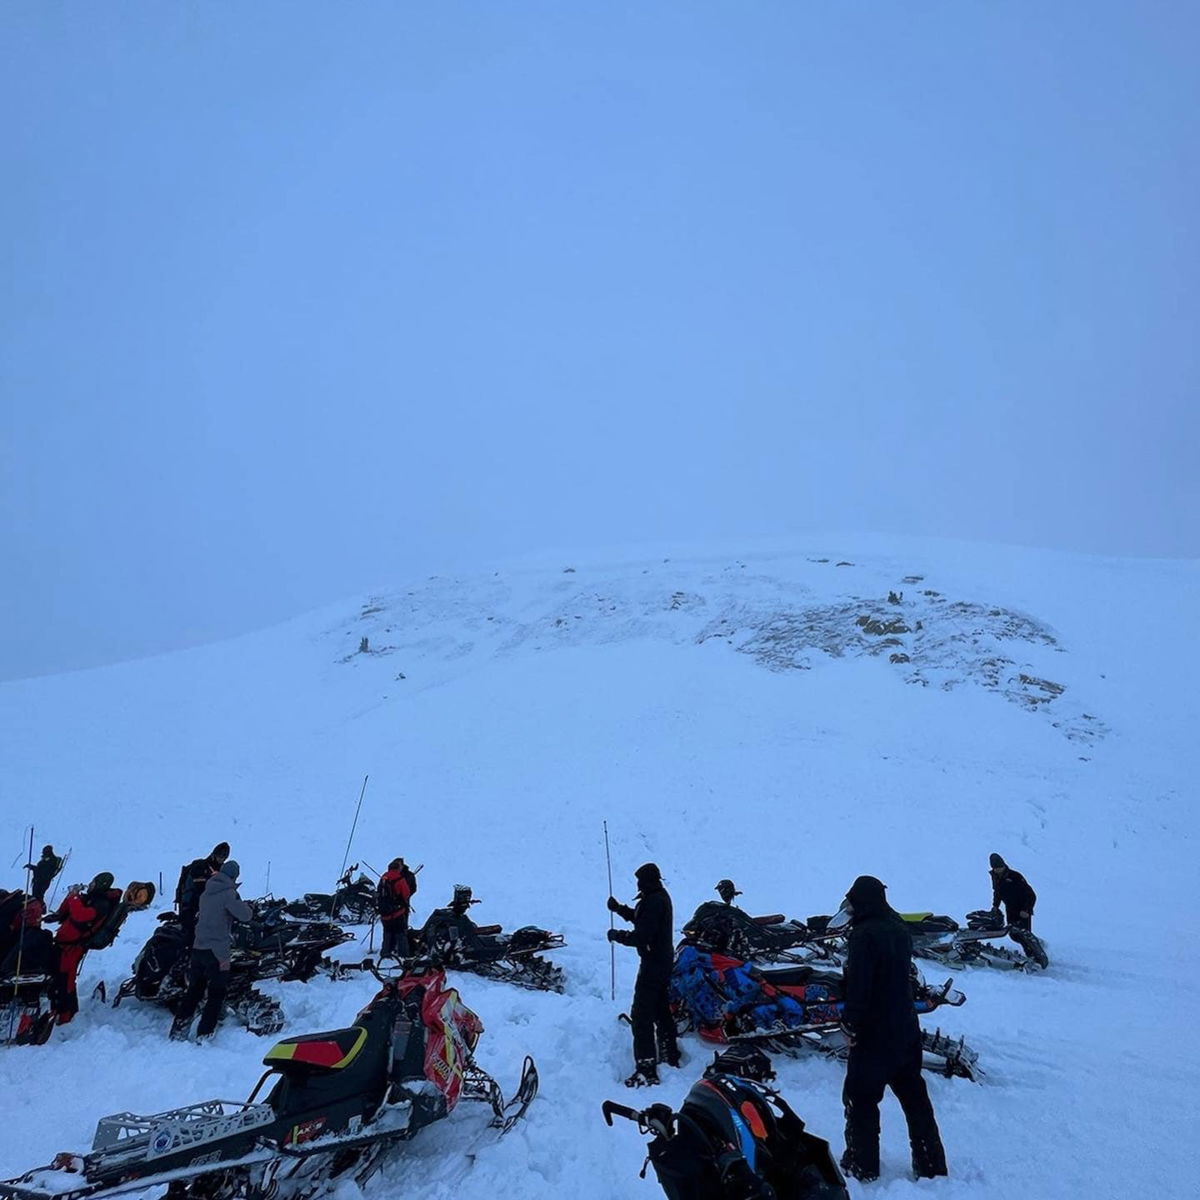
646,1075
852,1168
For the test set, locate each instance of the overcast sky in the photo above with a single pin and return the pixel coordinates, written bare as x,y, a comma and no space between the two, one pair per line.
297,299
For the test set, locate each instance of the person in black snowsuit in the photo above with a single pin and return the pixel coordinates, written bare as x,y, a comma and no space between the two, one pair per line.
1011,889
653,935
192,880
885,1039
44,871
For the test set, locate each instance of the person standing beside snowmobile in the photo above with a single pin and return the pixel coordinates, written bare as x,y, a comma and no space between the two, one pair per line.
212,950
885,1038
79,916
396,888
1011,889
192,880
653,935
44,871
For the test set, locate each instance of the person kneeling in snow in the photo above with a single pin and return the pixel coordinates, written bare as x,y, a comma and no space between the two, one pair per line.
212,950
653,936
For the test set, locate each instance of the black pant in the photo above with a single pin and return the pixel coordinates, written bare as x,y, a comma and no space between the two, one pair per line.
187,925
650,1015
1016,921
869,1070
204,975
395,937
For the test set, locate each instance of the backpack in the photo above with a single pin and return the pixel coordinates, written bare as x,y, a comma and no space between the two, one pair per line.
104,932
735,1138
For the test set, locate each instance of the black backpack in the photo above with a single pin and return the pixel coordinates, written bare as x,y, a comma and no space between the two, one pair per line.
724,1116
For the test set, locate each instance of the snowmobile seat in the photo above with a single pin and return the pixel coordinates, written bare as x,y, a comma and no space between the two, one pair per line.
802,975
927,922
321,1052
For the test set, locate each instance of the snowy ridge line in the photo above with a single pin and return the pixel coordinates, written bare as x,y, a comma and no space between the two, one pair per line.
931,638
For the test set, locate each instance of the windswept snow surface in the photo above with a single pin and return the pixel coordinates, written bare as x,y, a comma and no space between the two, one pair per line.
728,715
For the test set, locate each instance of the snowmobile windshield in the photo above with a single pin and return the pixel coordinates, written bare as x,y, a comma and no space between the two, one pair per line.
842,918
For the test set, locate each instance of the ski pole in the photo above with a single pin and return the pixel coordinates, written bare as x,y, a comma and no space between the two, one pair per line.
58,879
17,859
349,842
21,933
612,949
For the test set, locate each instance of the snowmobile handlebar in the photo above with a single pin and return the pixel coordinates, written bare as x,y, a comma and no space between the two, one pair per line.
611,1109
658,1118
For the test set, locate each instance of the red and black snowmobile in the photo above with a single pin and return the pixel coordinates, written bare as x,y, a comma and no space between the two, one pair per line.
335,1104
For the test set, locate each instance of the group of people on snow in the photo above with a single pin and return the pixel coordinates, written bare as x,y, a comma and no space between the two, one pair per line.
209,905
28,949
879,1017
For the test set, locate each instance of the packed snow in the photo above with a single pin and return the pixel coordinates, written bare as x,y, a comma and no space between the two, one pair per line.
773,717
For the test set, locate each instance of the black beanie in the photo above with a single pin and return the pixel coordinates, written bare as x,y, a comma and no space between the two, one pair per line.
994,860
220,850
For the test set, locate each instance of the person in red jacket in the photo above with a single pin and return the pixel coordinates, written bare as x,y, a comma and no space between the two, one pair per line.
396,888
79,916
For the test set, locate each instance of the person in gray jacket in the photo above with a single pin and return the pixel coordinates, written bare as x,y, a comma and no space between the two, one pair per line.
208,971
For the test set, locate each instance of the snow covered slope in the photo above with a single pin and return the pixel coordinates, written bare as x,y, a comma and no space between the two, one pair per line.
771,717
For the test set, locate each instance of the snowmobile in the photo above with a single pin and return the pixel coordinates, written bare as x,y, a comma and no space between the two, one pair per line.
943,940
793,1009
265,948
451,939
722,927
735,1138
285,947
335,1104
355,902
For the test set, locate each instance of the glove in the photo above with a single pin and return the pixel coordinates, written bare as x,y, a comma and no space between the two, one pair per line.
614,905
614,935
